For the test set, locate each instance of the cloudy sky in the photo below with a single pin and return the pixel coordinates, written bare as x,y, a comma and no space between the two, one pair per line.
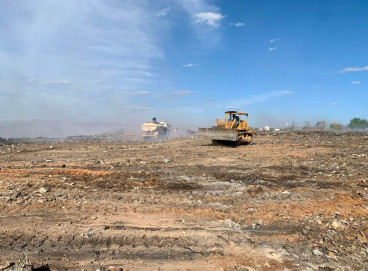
183,61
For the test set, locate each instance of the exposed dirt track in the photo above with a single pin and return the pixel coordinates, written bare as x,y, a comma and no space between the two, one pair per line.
287,202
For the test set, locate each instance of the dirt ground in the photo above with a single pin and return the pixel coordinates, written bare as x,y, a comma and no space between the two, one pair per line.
292,201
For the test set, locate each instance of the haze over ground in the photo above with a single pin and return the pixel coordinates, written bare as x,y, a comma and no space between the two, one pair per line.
183,61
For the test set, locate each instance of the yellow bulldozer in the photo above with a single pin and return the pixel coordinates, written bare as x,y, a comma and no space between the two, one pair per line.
233,128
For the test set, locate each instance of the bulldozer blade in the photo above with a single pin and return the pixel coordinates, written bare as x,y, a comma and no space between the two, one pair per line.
218,134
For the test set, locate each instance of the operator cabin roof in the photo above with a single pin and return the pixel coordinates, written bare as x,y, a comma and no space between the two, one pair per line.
237,112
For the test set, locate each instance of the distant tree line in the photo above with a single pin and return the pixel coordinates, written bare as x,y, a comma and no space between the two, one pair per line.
358,123
354,124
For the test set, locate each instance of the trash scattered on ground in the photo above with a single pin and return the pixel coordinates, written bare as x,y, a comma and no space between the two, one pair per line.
292,201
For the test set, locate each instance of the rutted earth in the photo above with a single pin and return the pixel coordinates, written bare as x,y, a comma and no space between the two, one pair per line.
293,201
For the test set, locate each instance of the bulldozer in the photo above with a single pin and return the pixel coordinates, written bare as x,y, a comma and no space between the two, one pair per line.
231,129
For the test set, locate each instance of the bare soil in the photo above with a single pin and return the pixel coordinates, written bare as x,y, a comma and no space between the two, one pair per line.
293,201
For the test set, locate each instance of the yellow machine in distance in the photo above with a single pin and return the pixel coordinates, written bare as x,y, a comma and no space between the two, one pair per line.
233,128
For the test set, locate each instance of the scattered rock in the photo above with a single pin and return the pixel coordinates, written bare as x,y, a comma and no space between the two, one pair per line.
114,268
21,265
257,225
233,225
43,190
317,252
337,225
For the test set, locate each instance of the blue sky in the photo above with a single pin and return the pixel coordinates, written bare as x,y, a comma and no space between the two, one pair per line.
184,61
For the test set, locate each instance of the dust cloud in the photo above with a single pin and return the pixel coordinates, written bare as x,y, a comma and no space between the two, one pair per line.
54,129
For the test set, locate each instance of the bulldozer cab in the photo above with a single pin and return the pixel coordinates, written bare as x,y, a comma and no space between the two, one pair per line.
234,120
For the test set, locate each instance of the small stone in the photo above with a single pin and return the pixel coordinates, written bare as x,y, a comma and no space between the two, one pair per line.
337,225
256,225
231,224
93,217
317,252
43,190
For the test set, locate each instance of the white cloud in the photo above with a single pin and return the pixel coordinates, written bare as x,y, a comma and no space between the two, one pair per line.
163,12
272,49
189,65
205,19
287,92
212,19
85,45
136,93
356,82
141,107
354,69
258,99
274,40
50,81
209,99
166,99
181,92
193,7
238,24
333,104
